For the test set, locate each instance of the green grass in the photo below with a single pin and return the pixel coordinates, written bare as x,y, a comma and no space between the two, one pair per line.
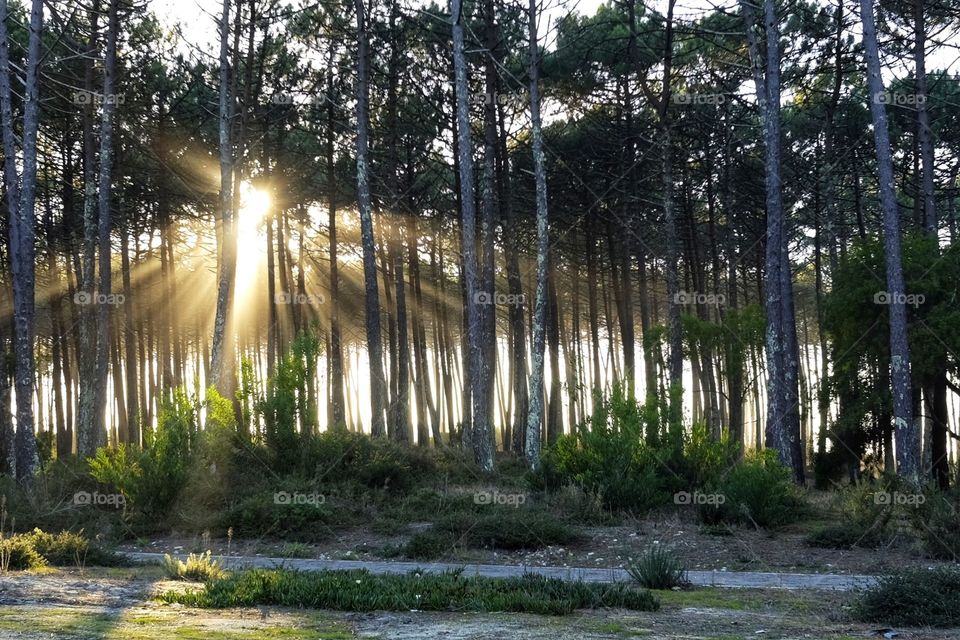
363,591
81,624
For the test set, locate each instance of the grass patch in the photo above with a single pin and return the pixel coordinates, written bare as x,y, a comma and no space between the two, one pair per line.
198,567
913,598
658,568
451,591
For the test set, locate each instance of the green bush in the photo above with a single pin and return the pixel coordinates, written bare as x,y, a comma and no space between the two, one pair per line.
914,598
658,568
634,456
937,523
505,528
864,520
152,478
363,591
844,536
17,553
758,491
68,549
259,516
430,544
339,456
607,456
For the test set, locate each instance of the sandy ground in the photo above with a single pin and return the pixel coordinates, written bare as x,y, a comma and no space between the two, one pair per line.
118,603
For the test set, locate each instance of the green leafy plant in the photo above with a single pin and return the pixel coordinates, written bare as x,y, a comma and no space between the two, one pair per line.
758,491
658,568
452,591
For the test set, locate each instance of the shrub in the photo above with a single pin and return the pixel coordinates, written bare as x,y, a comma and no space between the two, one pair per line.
864,520
259,516
634,456
705,457
67,548
17,553
658,568
430,544
152,478
913,597
607,456
451,591
580,506
759,491
501,528
937,522
278,409
844,536
199,567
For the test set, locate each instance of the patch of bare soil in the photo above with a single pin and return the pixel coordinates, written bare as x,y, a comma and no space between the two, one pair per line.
117,604
722,549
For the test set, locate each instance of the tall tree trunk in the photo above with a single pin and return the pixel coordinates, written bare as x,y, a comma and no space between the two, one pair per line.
87,414
337,417
20,200
535,418
481,429
221,350
104,192
923,118
907,432
378,385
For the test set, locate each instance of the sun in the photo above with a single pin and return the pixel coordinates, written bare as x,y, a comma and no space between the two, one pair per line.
251,243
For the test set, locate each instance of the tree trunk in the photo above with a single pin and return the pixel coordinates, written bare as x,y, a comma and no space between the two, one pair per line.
481,432
907,433
378,388
535,417
20,201
221,350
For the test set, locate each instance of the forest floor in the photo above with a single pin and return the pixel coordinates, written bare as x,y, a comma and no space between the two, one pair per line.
700,549
119,603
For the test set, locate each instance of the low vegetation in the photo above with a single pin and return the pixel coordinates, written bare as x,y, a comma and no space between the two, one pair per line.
37,549
658,568
913,598
452,591
199,567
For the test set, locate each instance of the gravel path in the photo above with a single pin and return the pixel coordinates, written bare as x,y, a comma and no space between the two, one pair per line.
733,579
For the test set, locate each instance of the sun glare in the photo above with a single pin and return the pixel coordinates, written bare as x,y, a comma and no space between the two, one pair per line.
251,245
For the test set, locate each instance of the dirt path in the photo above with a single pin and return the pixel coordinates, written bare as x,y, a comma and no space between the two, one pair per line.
737,579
